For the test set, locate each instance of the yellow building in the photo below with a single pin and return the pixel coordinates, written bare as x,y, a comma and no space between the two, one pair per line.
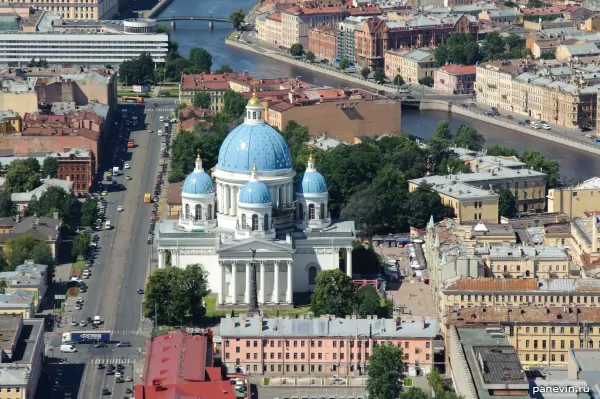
19,102
470,204
10,122
592,24
543,335
29,277
268,28
575,201
586,244
527,186
411,65
216,85
22,347
540,261
92,10
21,302
493,85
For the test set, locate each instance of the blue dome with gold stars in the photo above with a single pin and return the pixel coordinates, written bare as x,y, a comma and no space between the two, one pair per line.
250,144
198,182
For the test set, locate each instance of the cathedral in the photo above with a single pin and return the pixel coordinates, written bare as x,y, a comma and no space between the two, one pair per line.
249,207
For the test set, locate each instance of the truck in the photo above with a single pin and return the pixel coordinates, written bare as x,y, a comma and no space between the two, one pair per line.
147,198
115,171
85,336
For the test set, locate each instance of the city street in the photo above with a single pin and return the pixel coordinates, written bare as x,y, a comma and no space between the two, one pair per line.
121,264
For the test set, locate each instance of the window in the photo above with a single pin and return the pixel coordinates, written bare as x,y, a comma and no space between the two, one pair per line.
322,211
311,212
198,215
187,211
243,221
266,223
254,222
301,215
209,214
312,275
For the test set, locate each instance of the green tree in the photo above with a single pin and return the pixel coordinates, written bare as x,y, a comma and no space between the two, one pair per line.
297,50
398,80
296,137
467,137
334,294
174,68
56,199
22,176
443,131
500,151
378,76
237,18
424,202
386,372
492,46
3,286
414,393
234,103
310,56
365,260
50,167
200,59
459,49
174,296
89,212
365,72
81,245
535,160
139,71
224,69
27,246
202,100
344,63
7,207
173,50
221,123
368,300
436,382
507,204
426,81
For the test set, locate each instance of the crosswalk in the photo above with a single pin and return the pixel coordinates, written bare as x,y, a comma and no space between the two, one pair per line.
113,360
159,110
127,332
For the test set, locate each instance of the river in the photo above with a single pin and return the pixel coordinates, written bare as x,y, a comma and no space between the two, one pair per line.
575,164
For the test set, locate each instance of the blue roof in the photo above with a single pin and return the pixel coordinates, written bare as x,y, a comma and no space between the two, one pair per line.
255,192
248,144
311,182
198,182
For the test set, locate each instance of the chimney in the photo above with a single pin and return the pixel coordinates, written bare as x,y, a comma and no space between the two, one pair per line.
55,215
398,322
422,323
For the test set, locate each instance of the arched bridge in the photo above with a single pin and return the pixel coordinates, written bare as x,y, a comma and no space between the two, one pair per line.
194,18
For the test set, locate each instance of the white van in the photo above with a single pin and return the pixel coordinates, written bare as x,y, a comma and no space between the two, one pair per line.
162,118
107,225
66,348
97,320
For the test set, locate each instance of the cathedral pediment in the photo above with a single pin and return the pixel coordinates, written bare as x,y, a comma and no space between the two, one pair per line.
263,248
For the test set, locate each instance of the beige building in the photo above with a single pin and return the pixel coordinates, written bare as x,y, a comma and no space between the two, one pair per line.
92,10
528,186
268,28
296,21
575,201
586,244
540,261
569,51
493,84
542,336
412,65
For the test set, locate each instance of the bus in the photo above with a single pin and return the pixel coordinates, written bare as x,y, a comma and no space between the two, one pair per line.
129,99
147,198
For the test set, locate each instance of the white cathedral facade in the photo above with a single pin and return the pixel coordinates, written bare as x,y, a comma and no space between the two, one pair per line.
252,204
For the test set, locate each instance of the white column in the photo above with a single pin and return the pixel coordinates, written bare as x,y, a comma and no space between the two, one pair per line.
289,298
247,292
231,200
283,195
221,293
227,201
233,283
261,300
290,192
349,262
221,197
275,296
277,198
161,258
235,199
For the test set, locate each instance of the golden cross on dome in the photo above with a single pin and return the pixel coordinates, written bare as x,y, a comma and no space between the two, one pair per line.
198,152
310,155
255,83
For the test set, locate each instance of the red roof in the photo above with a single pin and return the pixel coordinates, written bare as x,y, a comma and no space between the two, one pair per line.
459,69
541,11
275,17
179,365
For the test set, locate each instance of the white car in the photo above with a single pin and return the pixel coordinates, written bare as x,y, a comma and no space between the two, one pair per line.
94,244
120,208
79,299
78,306
74,323
127,177
118,374
127,166
160,132
546,127
82,324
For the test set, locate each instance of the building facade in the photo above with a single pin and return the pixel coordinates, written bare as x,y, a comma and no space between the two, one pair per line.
79,166
345,40
323,346
322,41
455,79
296,21
252,209
575,201
268,28
540,261
93,10
412,65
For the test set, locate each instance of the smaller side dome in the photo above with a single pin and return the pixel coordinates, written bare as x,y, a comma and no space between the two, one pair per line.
255,193
198,182
254,102
311,182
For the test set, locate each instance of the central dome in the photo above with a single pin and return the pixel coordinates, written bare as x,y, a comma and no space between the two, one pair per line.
250,144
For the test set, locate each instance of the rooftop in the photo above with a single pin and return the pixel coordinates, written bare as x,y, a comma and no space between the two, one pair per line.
523,315
539,252
28,274
37,192
17,371
328,327
463,191
454,69
499,173
536,286
17,299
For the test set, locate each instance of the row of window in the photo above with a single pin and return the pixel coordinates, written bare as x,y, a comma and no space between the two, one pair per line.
319,368
505,268
526,298
319,343
198,212
562,344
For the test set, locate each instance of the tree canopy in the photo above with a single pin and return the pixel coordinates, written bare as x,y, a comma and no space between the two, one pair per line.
237,18
89,212
81,245
175,296
139,71
496,47
7,207
234,103
297,50
202,100
56,199
200,59
386,372
501,151
27,246
185,151
467,137
368,300
22,175
50,167
334,294
537,161
460,48
507,204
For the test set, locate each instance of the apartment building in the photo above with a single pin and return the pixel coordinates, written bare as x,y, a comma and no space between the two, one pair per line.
528,186
23,356
412,65
542,336
18,302
92,10
296,21
493,85
575,201
216,85
322,41
540,261
28,277
506,16
345,40
455,79
472,292
268,28
585,232
322,346
569,51
486,163
10,122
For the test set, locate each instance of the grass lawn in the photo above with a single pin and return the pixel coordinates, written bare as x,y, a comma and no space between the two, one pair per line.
408,382
78,265
122,93
212,311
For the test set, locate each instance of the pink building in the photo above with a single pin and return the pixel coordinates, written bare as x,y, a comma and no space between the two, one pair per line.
322,346
454,79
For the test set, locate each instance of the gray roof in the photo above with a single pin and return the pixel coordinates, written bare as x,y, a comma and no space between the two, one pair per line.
17,371
582,49
539,252
499,173
37,192
17,298
26,275
325,326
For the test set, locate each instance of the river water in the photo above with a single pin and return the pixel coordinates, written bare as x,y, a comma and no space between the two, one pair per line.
575,164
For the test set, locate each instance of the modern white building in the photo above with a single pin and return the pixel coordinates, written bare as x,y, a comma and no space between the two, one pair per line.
254,206
92,44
